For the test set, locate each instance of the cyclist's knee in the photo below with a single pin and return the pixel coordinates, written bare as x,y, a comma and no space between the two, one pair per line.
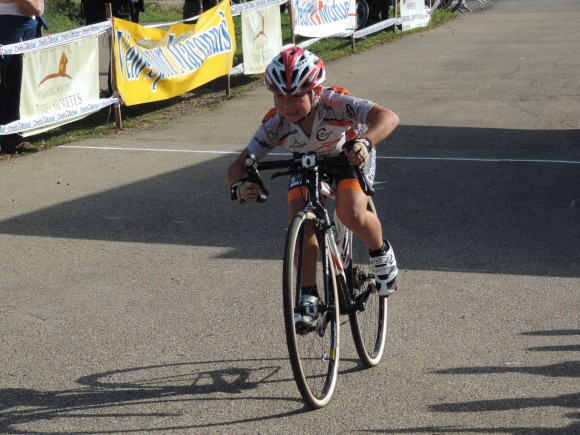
351,207
351,216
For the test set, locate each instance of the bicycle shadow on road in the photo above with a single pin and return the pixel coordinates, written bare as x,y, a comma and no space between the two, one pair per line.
154,394
491,216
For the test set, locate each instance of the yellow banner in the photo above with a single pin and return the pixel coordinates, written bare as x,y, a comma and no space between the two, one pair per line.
155,64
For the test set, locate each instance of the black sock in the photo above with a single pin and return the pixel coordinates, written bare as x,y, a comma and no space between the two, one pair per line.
381,251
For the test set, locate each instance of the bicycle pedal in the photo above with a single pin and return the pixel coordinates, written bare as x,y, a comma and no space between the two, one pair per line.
360,301
302,327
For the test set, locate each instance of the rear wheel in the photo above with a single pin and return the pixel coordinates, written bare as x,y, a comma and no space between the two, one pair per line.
368,318
362,13
456,4
314,353
444,4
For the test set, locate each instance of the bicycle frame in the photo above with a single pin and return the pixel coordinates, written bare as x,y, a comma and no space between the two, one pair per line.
337,244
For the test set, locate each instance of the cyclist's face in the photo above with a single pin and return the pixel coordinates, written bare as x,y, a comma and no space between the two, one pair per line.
293,107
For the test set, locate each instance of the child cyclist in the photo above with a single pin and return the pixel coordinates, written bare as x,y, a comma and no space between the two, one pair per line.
327,120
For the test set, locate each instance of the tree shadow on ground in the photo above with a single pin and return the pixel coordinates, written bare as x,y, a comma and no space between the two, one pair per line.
450,215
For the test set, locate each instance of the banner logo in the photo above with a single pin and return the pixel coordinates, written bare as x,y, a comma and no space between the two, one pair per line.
61,70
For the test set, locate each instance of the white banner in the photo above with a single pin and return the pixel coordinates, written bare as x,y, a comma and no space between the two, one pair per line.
238,8
261,38
414,14
321,18
56,39
54,119
62,80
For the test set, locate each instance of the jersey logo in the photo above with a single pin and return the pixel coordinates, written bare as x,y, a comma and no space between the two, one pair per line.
323,134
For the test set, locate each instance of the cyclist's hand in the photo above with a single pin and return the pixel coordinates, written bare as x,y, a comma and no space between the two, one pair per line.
357,151
245,191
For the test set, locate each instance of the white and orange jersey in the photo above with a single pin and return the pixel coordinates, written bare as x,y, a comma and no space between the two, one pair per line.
340,117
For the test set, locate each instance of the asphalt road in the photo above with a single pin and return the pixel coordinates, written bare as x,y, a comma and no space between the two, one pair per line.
135,297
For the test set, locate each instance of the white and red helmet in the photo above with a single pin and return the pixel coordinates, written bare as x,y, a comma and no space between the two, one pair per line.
294,71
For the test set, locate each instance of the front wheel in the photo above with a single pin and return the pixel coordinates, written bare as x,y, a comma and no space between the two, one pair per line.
368,318
313,351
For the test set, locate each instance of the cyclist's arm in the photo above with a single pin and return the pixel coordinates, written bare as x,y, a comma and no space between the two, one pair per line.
237,169
381,122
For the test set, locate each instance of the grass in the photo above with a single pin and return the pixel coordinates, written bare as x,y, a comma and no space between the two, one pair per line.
102,122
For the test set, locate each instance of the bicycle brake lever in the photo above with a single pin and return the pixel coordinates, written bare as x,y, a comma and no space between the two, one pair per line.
254,177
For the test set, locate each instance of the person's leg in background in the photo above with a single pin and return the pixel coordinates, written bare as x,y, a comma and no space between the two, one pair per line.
10,87
192,8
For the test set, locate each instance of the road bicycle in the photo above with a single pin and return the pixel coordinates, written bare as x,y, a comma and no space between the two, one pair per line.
458,5
344,277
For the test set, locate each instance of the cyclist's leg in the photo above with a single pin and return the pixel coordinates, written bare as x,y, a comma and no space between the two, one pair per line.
351,203
351,208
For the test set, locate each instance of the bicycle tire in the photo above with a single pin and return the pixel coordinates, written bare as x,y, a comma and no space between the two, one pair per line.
455,4
368,324
444,4
429,4
362,13
314,355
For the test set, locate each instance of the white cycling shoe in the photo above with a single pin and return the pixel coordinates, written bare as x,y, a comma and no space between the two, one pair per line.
386,272
305,321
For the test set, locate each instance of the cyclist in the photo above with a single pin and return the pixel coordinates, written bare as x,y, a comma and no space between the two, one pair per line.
327,120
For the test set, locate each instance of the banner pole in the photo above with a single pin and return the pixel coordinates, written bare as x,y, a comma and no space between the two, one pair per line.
395,28
112,72
291,18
